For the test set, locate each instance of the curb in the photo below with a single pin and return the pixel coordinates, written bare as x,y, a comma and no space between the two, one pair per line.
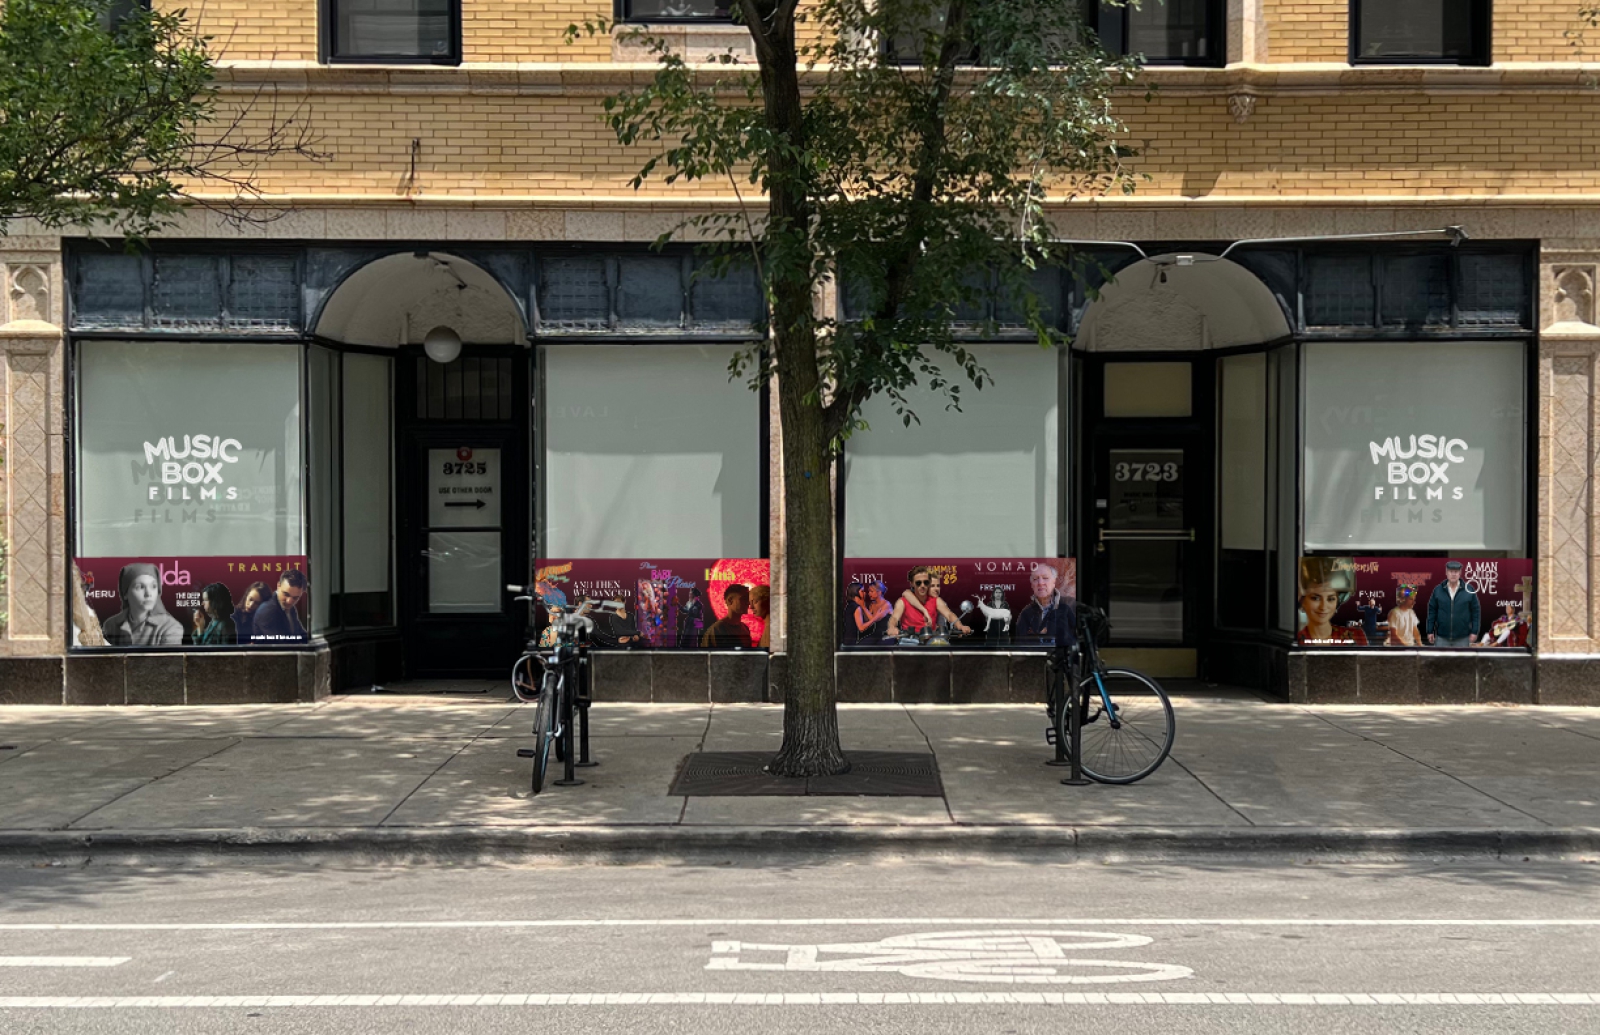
747,845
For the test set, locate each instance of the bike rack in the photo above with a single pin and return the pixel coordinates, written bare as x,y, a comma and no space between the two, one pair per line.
1074,777
1073,757
569,778
585,697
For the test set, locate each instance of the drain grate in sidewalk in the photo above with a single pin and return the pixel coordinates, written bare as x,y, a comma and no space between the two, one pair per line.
901,774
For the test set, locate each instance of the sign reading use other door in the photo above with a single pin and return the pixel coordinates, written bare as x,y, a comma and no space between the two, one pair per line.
463,488
464,567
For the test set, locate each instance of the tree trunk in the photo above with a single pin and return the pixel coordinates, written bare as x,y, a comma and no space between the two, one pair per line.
810,718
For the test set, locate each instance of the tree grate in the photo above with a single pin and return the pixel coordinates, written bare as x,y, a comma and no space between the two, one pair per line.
900,774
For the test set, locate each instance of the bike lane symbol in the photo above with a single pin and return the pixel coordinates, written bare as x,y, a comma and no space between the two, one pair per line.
1005,957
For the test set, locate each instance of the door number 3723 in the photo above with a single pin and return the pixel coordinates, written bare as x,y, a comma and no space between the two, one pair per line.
1167,472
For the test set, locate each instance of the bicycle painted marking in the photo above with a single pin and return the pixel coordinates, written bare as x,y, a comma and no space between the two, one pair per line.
703,998
1003,957
63,961
791,921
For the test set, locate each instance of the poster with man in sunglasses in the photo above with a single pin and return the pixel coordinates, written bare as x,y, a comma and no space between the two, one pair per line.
918,611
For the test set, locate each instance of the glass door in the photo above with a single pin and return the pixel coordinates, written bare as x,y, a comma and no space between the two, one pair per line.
1145,534
1145,540
464,487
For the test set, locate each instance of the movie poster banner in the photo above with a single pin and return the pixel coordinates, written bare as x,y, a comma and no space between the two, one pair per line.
1408,602
233,602
662,604
944,602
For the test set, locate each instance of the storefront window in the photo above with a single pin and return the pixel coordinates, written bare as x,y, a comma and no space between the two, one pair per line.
368,472
650,451
1242,490
1417,446
323,396
188,493
983,481
188,449
1284,484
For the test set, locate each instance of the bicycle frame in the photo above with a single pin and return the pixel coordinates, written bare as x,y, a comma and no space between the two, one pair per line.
568,657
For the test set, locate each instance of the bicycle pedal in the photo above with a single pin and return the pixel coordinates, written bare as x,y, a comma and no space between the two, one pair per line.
527,753
1049,734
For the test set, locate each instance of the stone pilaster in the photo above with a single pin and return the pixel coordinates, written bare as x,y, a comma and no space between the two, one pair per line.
1247,33
32,446
1567,619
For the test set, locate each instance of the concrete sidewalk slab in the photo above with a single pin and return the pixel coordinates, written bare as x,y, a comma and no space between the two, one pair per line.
814,811
60,781
145,723
281,783
1294,769
995,771
379,773
409,719
487,784
1547,772
622,720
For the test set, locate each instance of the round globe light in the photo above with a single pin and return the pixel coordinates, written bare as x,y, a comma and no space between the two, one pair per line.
442,344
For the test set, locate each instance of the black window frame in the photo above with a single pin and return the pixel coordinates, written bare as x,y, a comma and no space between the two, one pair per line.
623,15
1216,29
1482,17
120,10
328,39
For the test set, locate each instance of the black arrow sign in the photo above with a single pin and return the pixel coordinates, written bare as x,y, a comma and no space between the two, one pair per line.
475,503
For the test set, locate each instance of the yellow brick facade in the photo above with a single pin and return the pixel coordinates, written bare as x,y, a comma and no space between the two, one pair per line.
538,136
1541,30
1302,31
506,31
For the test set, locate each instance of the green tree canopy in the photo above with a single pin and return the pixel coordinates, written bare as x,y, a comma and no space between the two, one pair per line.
917,142
109,114
910,149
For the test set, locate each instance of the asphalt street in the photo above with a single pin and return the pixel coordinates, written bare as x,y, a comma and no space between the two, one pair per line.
841,947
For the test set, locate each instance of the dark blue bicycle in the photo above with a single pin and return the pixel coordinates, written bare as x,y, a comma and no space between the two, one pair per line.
1125,718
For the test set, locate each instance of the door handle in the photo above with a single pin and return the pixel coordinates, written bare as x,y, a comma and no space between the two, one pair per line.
1160,535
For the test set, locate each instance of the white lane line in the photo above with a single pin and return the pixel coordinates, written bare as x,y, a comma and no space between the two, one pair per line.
63,961
396,925
216,1002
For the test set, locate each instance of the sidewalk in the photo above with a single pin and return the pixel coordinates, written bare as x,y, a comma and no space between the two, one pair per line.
439,777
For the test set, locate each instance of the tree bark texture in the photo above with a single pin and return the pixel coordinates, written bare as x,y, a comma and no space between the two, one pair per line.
810,718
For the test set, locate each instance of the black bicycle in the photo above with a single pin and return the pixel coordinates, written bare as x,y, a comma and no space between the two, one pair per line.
549,677
1124,717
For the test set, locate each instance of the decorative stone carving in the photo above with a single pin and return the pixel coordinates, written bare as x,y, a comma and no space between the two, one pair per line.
28,293
1574,295
1241,106
28,476
1565,599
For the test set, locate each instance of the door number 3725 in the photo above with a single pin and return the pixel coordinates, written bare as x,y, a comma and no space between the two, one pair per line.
1167,472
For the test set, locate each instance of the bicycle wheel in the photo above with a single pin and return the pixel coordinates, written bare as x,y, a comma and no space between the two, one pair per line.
1131,745
544,727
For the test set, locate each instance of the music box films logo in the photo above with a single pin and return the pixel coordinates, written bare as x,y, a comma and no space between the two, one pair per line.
193,471
1417,468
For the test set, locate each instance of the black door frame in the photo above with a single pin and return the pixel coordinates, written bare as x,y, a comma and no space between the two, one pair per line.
1196,435
502,633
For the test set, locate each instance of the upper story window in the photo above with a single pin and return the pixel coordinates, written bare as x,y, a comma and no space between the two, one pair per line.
1165,32
1452,32
388,31
674,10
118,11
